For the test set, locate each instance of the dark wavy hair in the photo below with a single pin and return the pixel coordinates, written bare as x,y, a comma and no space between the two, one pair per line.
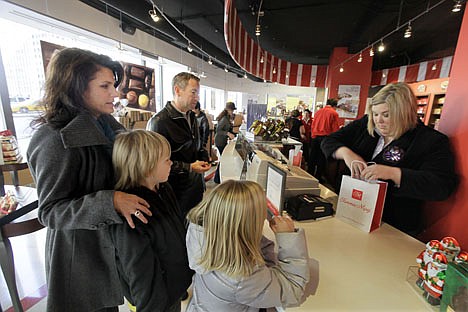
68,74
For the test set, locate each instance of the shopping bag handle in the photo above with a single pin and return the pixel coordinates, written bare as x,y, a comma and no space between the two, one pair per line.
364,164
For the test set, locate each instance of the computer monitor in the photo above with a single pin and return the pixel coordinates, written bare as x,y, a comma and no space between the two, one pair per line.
275,186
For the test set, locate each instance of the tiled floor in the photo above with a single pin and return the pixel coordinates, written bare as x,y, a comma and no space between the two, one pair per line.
28,253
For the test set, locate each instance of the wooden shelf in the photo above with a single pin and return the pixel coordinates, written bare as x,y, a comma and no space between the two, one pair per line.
430,98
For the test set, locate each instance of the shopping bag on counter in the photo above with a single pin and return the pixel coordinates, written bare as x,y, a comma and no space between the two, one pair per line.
361,203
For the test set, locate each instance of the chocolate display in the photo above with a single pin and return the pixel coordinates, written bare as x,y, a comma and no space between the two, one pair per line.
138,87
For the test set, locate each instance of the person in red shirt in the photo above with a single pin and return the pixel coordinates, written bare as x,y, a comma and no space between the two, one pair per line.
326,121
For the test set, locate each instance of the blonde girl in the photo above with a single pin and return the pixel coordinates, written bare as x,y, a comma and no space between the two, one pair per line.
234,265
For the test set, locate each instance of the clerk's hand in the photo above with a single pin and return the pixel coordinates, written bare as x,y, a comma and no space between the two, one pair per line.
129,204
349,156
282,224
382,172
200,166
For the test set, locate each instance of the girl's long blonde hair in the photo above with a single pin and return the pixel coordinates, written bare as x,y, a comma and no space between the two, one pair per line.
232,216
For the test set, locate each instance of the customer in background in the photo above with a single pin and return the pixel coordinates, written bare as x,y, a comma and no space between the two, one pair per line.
203,124
178,124
295,126
307,123
223,132
235,267
70,157
152,258
415,160
326,121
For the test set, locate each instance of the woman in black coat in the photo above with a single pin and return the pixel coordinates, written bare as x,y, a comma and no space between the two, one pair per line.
223,132
415,160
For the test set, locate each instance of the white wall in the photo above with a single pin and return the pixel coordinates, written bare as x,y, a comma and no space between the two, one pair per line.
83,16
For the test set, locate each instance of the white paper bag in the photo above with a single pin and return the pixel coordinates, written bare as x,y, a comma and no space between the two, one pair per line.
361,203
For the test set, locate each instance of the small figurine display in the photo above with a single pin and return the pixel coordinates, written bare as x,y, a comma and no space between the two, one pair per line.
424,258
432,263
451,247
435,278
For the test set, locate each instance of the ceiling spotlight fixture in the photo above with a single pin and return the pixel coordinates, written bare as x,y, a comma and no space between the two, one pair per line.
341,69
154,15
287,76
257,30
189,47
457,6
383,75
210,61
245,75
274,70
264,80
261,59
371,51
381,47
202,75
226,70
360,58
434,67
408,31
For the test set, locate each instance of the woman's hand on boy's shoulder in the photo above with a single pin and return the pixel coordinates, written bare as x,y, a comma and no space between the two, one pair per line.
129,204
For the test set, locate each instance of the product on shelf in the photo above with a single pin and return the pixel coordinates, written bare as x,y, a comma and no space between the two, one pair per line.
269,130
10,151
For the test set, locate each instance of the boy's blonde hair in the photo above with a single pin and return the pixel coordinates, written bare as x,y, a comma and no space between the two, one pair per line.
232,216
401,105
136,153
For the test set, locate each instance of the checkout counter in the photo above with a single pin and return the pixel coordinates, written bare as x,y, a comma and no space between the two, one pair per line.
358,271
245,158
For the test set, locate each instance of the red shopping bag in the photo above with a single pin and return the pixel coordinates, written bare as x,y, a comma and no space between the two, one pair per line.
361,203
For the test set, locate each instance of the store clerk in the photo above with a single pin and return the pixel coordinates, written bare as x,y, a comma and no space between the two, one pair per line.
416,161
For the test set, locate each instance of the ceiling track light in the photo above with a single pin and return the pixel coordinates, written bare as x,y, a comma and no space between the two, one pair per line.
274,70
245,75
154,15
261,59
408,31
189,47
381,47
371,51
257,30
457,6
360,58
434,67
226,70
210,61
341,69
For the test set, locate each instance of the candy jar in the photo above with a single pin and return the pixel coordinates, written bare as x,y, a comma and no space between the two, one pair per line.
425,257
435,278
451,247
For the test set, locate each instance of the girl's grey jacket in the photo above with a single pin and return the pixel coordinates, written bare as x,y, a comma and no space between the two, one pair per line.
72,168
281,282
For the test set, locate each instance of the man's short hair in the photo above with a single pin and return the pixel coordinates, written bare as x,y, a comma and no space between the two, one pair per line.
332,102
181,80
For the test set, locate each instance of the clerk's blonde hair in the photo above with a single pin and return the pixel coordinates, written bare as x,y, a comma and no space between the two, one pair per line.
135,154
232,216
402,108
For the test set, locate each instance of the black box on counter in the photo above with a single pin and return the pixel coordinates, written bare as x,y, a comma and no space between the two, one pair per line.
308,206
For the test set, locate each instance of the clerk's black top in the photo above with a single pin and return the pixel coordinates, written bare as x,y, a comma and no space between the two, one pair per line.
427,168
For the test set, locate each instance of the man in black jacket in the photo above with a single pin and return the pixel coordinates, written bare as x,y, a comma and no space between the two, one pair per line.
177,122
